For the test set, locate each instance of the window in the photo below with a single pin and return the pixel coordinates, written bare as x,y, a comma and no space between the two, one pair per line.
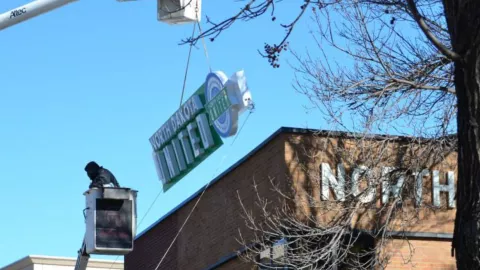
269,258
362,250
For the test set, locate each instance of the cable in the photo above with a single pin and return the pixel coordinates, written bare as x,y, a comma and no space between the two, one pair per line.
201,195
140,223
244,122
151,205
190,52
203,38
186,68
204,47
181,101
251,107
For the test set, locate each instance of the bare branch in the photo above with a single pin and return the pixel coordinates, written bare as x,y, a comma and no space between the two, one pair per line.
423,26
305,231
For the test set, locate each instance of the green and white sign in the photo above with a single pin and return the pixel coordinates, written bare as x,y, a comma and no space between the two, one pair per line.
194,131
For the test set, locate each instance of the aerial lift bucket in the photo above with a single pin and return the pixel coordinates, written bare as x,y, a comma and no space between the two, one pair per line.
111,218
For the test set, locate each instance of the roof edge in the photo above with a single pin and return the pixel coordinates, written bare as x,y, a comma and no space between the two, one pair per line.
281,130
57,260
220,176
347,134
22,263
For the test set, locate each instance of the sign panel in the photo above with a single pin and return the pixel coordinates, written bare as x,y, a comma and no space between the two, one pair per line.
195,130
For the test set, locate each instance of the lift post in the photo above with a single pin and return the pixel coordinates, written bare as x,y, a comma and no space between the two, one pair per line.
82,259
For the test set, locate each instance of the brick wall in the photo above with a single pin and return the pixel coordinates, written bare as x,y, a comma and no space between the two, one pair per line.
421,255
211,231
304,155
236,264
292,159
424,254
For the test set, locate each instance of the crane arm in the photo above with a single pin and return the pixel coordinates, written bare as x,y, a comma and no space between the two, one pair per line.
29,11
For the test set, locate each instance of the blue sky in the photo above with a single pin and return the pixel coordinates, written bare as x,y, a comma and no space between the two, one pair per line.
93,81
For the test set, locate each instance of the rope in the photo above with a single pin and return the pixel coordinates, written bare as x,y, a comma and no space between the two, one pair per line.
201,195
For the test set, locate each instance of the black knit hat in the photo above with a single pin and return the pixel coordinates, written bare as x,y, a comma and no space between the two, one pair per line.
92,166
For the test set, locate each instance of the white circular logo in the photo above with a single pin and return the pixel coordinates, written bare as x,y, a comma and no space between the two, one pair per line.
214,84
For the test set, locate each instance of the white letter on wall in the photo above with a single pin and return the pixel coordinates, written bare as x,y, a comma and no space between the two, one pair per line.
449,188
419,185
369,196
387,188
329,180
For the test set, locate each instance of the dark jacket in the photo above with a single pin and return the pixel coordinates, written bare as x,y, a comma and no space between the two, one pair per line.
104,177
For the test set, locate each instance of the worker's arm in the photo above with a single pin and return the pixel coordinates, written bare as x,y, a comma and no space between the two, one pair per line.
95,184
98,182
104,178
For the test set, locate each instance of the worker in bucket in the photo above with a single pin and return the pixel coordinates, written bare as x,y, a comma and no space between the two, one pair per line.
100,176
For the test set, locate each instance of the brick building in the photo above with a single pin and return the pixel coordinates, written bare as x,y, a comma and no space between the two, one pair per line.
209,239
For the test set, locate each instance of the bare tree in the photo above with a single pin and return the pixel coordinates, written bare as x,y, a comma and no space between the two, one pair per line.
378,190
251,10
409,65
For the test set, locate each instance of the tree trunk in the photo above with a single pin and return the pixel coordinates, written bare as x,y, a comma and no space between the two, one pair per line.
467,222
463,19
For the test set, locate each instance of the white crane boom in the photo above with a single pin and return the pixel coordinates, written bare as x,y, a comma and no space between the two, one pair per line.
29,11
